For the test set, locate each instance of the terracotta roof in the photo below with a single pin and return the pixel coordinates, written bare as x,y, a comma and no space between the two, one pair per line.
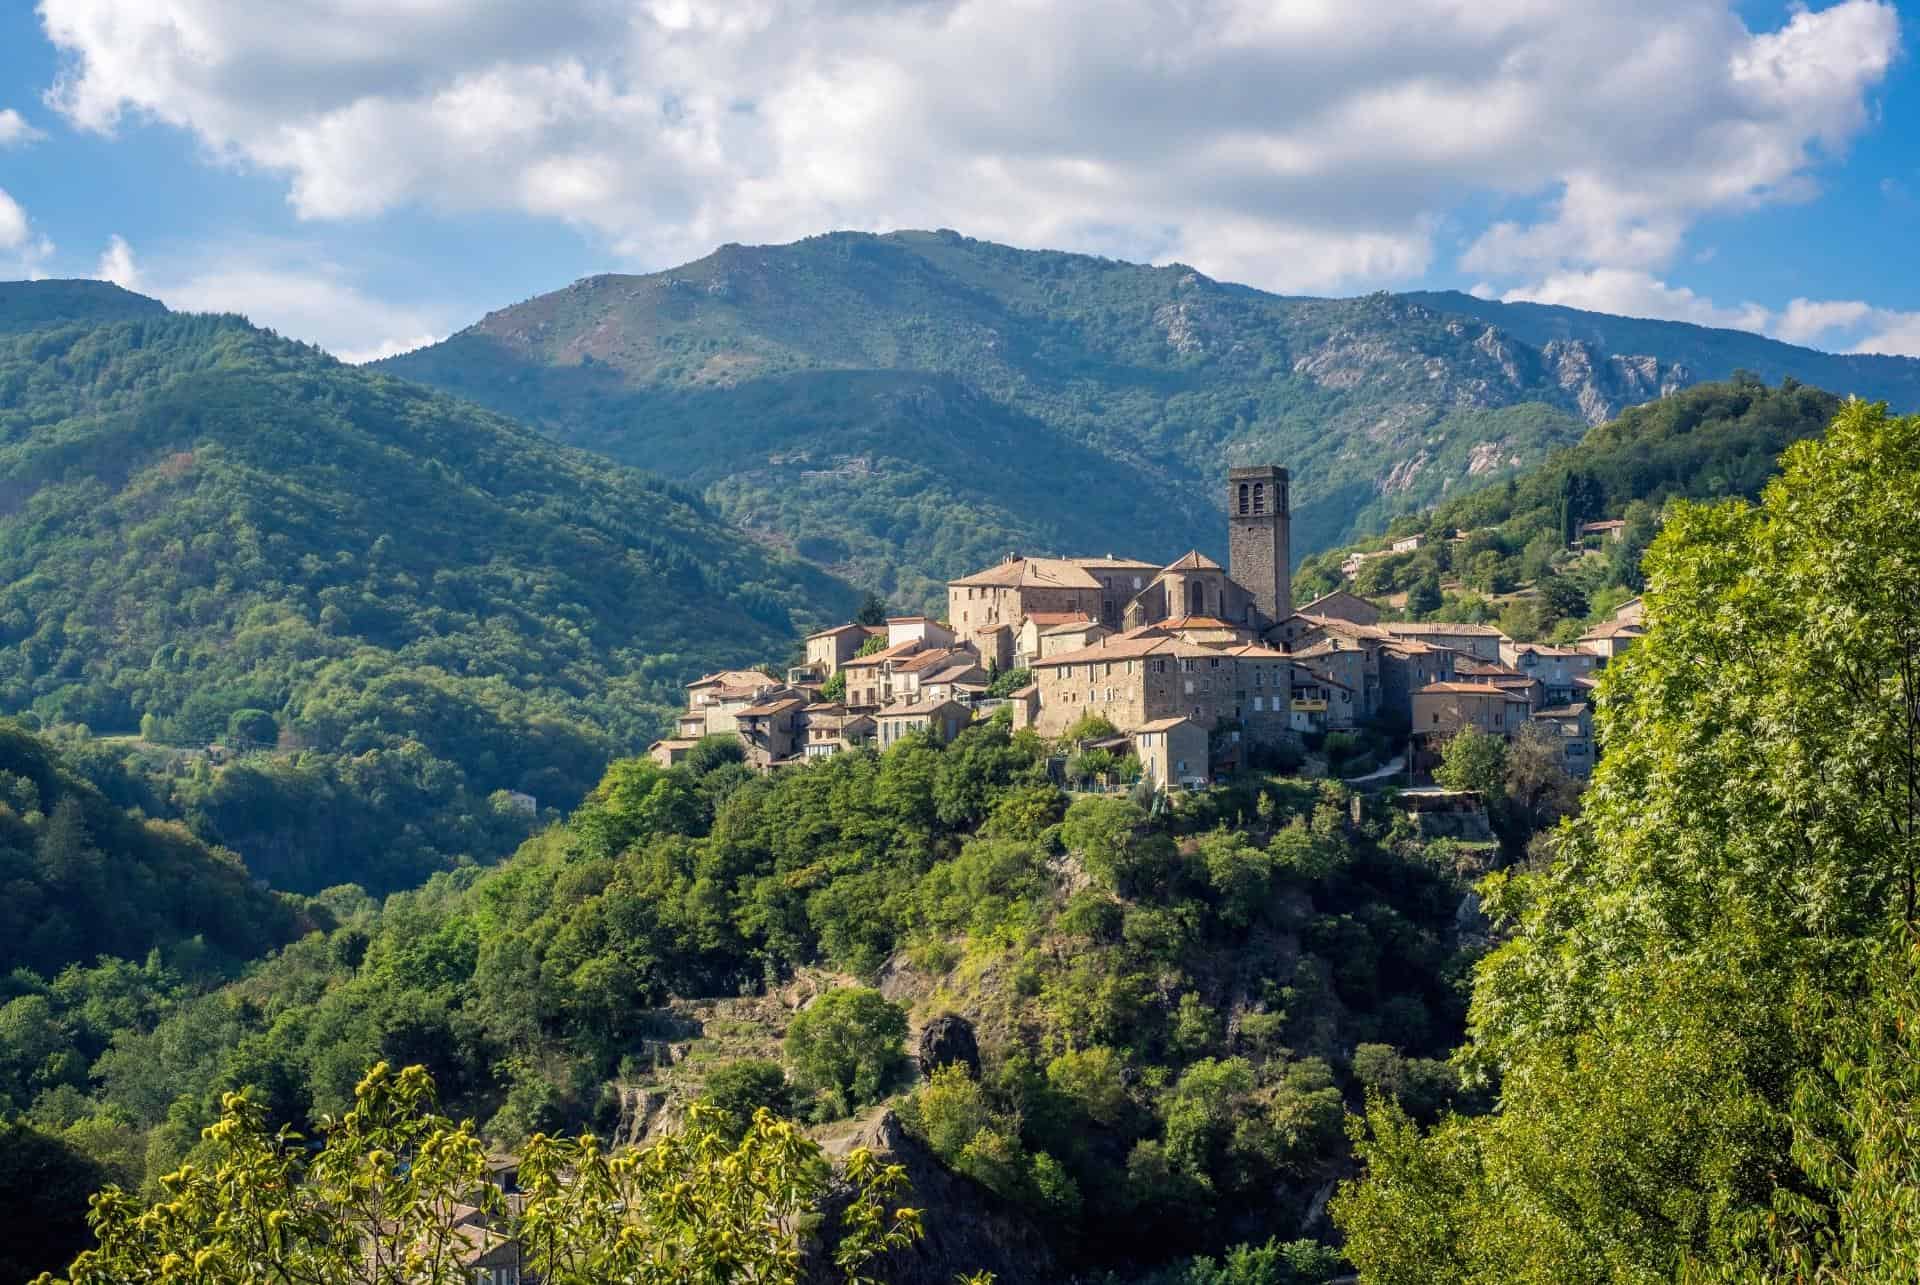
1464,689
1000,628
1484,668
909,620
1071,627
767,708
1254,651
1574,710
1105,649
1162,725
675,742
1307,609
1044,618
923,661
1614,629
1325,647
731,678
838,629
907,648
1351,628
1542,649
1605,524
1418,628
1021,693
1031,573
912,709
1193,560
1196,622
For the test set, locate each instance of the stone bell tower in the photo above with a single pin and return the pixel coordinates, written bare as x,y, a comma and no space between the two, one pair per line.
1258,545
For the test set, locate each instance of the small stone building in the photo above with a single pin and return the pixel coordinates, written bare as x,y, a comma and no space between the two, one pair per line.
1172,752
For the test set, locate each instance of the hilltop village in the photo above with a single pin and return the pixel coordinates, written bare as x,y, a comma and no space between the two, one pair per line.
1193,668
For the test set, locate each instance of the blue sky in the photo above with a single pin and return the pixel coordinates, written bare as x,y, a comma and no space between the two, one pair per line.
372,174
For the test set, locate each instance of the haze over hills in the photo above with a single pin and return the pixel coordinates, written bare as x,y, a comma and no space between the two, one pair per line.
905,407
210,532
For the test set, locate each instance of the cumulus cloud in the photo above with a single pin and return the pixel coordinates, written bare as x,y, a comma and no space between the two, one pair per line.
285,289
23,252
116,264
1839,325
14,229
14,130
1306,146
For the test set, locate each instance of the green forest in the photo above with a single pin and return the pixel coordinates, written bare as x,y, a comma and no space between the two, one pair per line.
391,605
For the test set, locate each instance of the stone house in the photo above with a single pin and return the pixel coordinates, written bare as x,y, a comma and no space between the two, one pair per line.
1027,638
672,750
829,649
942,720
1469,670
1407,544
1609,529
770,731
1633,612
1557,668
1611,640
1172,751
1120,580
1350,663
1572,726
870,679
1068,636
1195,585
924,630
713,701
1406,666
1472,640
1133,680
826,730
1441,709
1342,605
1008,593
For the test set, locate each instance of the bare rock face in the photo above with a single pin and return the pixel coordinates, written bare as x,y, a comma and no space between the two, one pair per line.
969,1229
948,1039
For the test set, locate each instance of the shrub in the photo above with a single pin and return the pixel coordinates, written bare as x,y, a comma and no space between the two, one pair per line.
847,1045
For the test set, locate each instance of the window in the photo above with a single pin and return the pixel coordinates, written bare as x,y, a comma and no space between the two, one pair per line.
1136,584
1243,499
1109,695
1259,497
1259,680
1259,704
1213,662
1436,720
1189,687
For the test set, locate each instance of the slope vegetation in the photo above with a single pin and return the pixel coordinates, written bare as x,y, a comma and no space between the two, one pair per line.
212,535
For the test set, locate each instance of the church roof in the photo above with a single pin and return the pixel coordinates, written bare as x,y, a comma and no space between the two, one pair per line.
1194,560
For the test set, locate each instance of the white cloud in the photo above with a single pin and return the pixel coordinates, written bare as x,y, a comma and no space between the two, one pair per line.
116,264
14,130
14,229
1637,294
1837,325
285,289
1310,145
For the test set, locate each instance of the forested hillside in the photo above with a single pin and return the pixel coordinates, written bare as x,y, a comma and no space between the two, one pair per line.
1169,1012
1704,1015
906,407
211,535
80,878
1713,441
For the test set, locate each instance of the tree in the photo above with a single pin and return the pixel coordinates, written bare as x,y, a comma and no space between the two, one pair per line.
834,690
873,611
744,1088
384,1202
1691,1085
847,1044
1474,760
1425,595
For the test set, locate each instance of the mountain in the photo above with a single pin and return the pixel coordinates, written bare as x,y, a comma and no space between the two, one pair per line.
1707,352
212,534
30,305
908,406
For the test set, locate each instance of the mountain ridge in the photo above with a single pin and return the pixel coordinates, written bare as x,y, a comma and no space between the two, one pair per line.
1142,382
